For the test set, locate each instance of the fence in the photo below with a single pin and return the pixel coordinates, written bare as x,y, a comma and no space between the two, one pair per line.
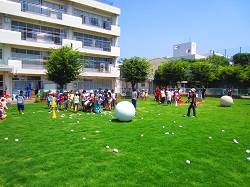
232,51
209,91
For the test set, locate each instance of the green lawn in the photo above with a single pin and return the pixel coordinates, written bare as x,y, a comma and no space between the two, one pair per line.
52,152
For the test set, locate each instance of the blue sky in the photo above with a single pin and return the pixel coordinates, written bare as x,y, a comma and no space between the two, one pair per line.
150,28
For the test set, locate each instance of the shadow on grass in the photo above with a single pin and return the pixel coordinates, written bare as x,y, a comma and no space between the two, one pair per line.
117,121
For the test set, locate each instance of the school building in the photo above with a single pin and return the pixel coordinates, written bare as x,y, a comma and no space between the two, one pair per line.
29,29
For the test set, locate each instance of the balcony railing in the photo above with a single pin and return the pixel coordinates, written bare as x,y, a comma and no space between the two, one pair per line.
41,37
39,9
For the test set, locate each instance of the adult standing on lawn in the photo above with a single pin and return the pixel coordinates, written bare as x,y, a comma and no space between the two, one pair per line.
229,92
203,92
134,97
28,88
192,103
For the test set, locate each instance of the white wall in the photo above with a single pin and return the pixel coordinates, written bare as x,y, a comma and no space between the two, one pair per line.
184,49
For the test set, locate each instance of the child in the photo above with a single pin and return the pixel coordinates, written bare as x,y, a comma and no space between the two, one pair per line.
99,103
71,99
113,95
146,95
61,101
76,101
109,101
2,115
20,102
4,103
50,100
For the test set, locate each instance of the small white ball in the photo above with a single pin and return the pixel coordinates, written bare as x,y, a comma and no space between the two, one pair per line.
163,127
247,151
6,138
173,133
222,130
248,158
174,121
107,147
84,138
235,141
115,150
16,140
159,114
72,130
142,135
78,122
210,137
188,162
180,126
167,133
141,118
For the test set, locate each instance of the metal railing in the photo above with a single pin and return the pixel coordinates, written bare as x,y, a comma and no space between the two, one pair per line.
39,9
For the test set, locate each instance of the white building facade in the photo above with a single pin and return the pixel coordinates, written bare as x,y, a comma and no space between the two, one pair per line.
30,28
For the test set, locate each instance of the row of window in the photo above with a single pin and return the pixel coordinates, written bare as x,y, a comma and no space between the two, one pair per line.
37,59
93,84
38,32
55,36
55,10
42,7
94,41
93,19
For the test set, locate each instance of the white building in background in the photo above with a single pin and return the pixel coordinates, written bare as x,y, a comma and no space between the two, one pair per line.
185,50
30,28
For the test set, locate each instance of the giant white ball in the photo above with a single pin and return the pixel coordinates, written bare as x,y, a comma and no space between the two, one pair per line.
226,101
124,111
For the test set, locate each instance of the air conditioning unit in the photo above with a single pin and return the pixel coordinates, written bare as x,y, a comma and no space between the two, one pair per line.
102,67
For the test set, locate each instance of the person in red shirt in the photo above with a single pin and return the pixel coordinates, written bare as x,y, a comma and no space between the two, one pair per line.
61,101
158,95
5,95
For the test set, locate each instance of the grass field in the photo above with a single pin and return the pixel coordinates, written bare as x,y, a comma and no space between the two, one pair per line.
52,152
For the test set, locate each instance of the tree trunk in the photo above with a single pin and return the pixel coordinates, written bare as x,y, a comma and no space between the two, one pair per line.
133,85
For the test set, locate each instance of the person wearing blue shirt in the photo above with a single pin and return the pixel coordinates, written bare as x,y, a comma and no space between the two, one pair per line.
28,88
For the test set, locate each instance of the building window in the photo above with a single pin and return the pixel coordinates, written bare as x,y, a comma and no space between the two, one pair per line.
30,58
177,47
93,19
43,8
38,33
94,41
1,23
1,54
97,63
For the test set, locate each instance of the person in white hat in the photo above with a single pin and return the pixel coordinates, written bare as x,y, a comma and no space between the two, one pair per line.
192,103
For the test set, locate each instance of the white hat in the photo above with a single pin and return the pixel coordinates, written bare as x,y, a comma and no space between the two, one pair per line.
193,90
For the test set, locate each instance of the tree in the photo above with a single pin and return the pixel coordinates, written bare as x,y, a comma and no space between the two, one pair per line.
232,75
218,60
168,74
64,65
242,59
159,79
202,73
135,70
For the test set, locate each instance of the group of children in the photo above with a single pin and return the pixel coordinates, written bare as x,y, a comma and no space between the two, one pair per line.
92,101
167,96
5,104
